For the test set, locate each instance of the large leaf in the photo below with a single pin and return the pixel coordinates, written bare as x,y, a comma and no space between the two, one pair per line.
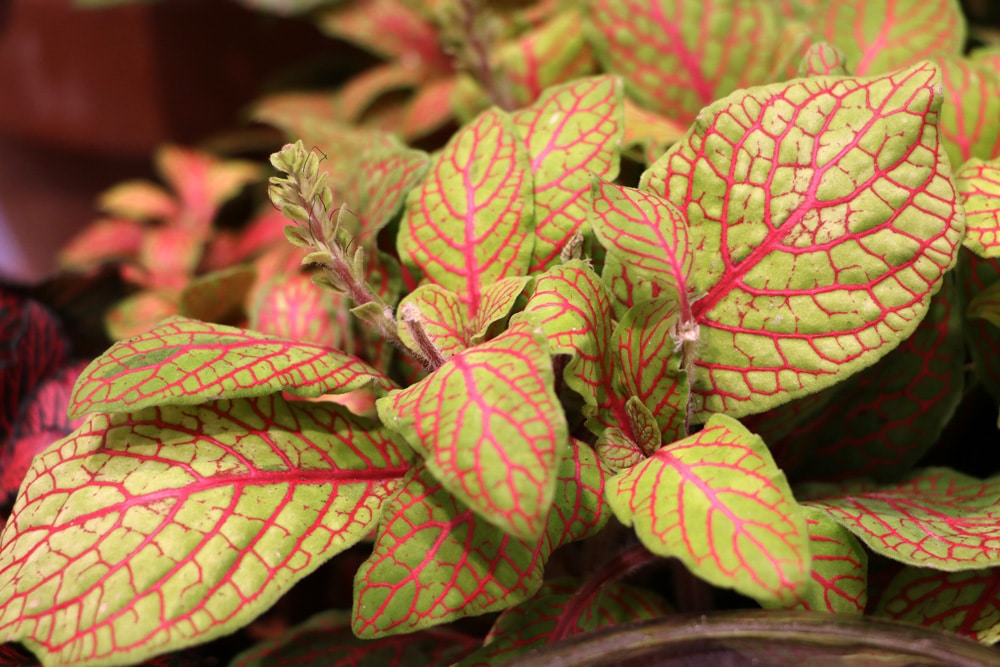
877,36
469,223
572,131
677,57
490,427
933,518
185,362
819,253
964,602
145,532
436,560
717,502
326,640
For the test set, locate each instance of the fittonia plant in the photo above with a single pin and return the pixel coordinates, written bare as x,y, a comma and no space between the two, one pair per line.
544,353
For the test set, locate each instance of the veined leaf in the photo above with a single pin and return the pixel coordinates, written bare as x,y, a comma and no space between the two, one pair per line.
326,640
882,35
839,579
978,184
975,277
294,307
933,518
822,59
972,97
572,131
149,531
490,427
185,362
469,223
986,305
716,501
967,603
819,253
531,624
436,560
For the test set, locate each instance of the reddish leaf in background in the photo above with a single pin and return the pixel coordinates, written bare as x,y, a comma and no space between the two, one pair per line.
326,640
112,552
572,131
436,560
822,59
32,347
469,223
295,308
430,107
861,230
42,421
106,240
964,602
185,362
935,518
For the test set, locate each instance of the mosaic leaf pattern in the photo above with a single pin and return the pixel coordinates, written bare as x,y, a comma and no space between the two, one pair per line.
822,59
839,583
531,624
112,553
436,560
469,223
978,184
490,427
185,362
884,35
972,97
935,518
572,131
678,57
717,502
326,640
964,602
855,212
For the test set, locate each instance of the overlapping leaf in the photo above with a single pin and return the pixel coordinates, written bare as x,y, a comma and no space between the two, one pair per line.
964,602
218,296
145,532
184,362
490,427
935,518
469,223
293,307
883,35
839,578
326,640
822,59
532,623
972,97
978,184
678,57
717,502
572,131
823,220
436,560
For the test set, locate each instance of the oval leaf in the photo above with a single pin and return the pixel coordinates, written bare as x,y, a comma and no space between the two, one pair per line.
978,183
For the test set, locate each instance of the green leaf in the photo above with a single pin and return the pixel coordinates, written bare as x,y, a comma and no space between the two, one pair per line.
531,624
677,57
185,362
933,518
145,532
822,59
967,603
135,314
818,254
877,36
978,184
435,559
326,640
218,296
986,305
972,97
572,131
469,223
491,428
839,579
292,307
719,487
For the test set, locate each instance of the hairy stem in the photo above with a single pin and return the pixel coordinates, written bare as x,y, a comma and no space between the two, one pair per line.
473,53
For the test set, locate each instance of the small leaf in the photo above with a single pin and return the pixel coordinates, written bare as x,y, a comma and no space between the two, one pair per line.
469,223
967,603
978,184
106,240
933,518
490,427
134,315
719,487
185,362
822,59
139,200
174,525
218,296
817,254
326,640
972,97
293,307
436,560
986,305
531,624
